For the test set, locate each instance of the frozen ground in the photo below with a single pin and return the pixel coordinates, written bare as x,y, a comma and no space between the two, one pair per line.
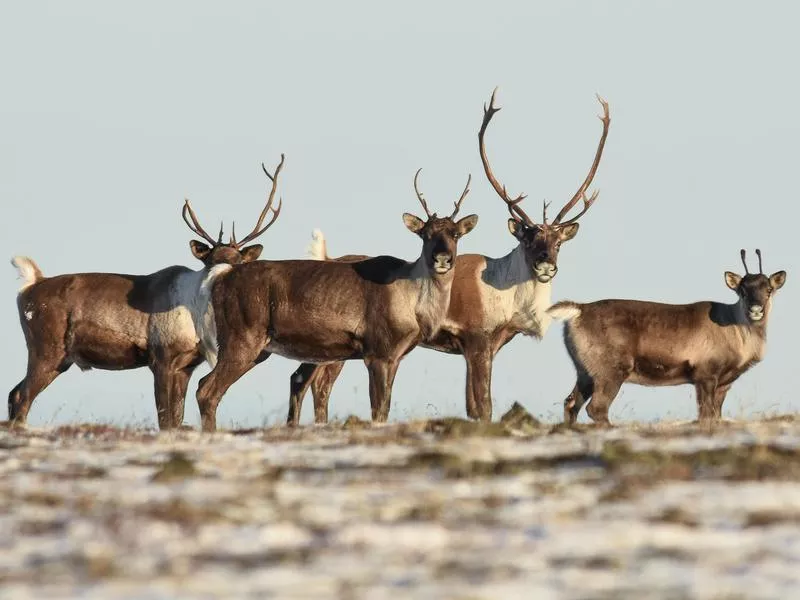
433,509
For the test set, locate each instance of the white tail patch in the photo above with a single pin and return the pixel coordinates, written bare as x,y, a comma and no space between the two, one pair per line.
564,311
317,249
28,271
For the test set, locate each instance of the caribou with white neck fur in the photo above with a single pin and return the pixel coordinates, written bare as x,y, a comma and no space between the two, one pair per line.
707,344
493,299
318,312
117,322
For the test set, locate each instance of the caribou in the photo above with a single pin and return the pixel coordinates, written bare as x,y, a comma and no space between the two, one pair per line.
707,344
117,322
376,310
493,299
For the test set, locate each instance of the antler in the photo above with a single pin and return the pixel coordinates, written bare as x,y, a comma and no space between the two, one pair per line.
463,195
275,211
196,228
420,197
743,253
581,193
760,270
513,205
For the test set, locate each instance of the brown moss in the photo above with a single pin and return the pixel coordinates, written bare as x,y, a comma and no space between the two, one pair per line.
454,427
519,419
178,466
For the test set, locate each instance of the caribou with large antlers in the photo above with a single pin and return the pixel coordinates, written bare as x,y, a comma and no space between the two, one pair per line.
493,299
376,310
707,344
115,322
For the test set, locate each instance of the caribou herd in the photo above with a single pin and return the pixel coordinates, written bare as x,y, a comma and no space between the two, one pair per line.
237,310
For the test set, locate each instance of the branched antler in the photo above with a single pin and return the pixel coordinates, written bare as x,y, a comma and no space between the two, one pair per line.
275,211
581,193
195,224
463,195
513,205
420,197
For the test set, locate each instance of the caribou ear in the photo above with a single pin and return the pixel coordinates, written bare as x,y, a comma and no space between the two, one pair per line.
776,280
516,228
199,250
414,224
568,232
251,253
732,280
467,224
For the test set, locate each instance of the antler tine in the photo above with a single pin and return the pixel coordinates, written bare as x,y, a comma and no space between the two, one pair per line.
760,269
196,228
463,195
513,208
274,179
545,204
219,239
581,193
743,253
420,197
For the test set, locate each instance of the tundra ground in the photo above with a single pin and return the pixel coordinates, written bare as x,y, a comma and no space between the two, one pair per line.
431,509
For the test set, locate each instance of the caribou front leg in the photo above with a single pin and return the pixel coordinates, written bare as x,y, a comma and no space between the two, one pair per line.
479,382
381,378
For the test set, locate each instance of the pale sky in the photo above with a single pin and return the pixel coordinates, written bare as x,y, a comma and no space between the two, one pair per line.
111,114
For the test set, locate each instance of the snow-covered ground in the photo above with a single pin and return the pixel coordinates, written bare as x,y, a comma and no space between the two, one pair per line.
435,509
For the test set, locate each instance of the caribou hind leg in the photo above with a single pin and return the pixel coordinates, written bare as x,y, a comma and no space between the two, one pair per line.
582,391
40,374
604,393
299,383
230,367
321,386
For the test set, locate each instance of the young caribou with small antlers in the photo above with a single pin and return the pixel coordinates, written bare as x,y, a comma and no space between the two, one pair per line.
493,299
376,310
707,344
116,322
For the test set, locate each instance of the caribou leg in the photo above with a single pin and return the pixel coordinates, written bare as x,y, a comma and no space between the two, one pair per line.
381,379
479,383
40,375
299,383
603,396
230,367
582,391
321,386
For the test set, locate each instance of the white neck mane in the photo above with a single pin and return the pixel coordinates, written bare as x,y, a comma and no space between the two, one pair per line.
525,299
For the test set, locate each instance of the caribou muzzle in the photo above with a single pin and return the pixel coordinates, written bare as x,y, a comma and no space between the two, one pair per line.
442,262
545,271
755,312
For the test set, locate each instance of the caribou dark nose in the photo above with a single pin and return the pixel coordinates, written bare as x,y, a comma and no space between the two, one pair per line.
442,262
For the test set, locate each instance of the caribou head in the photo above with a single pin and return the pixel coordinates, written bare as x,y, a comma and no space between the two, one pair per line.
755,290
234,251
542,241
439,234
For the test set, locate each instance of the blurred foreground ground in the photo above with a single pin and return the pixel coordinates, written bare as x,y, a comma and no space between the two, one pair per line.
432,509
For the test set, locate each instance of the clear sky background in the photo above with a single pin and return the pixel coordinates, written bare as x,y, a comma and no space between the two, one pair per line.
111,113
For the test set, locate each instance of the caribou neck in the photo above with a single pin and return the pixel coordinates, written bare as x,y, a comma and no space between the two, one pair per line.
432,296
751,336
531,298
